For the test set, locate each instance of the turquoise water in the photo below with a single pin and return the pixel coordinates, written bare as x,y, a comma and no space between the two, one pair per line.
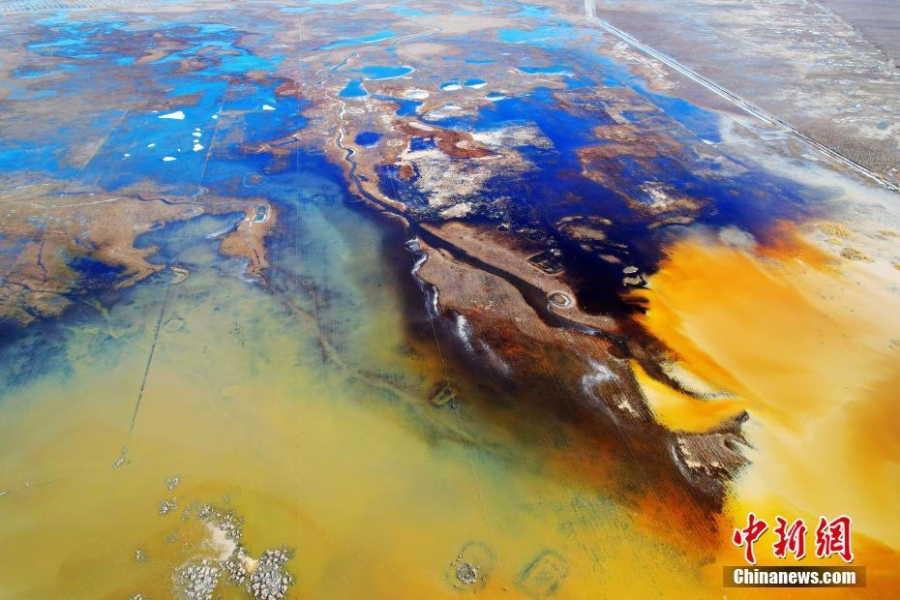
353,89
405,107
377,72
529,36
368,39
551,70
405,11
535,12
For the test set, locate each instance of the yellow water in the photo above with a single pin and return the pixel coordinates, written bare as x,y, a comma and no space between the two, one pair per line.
341,459
810,351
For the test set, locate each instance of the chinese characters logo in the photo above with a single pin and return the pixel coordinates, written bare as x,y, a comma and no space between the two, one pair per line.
831,538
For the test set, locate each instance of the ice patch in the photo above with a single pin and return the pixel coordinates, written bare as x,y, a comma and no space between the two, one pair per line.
178,115
457,211
268,107
169,158
220,232
464,331
416,94
516,136
198,147
431,292
151,145
441,113
418,264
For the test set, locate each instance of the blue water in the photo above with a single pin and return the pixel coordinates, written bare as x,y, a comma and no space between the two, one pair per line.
367,138
530,36
353,89
555,188
702,122
28,155
393,186
378,72
546,194
404,11
95,274
535,12
126,156
610,74
529,11
367,39
416,144
551,70
474,82
405,107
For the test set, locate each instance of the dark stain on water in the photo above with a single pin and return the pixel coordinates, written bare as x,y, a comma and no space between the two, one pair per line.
28,354
94,274
392,185
538,200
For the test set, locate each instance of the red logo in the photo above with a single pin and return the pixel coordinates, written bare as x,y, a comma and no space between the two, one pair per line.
832,537
790,539
748,536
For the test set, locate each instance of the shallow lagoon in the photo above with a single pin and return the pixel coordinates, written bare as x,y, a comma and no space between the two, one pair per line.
304,410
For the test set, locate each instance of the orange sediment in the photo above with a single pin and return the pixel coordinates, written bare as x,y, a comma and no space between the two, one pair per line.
811,354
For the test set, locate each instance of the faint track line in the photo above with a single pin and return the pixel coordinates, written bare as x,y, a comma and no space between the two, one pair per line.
162,313
165,302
